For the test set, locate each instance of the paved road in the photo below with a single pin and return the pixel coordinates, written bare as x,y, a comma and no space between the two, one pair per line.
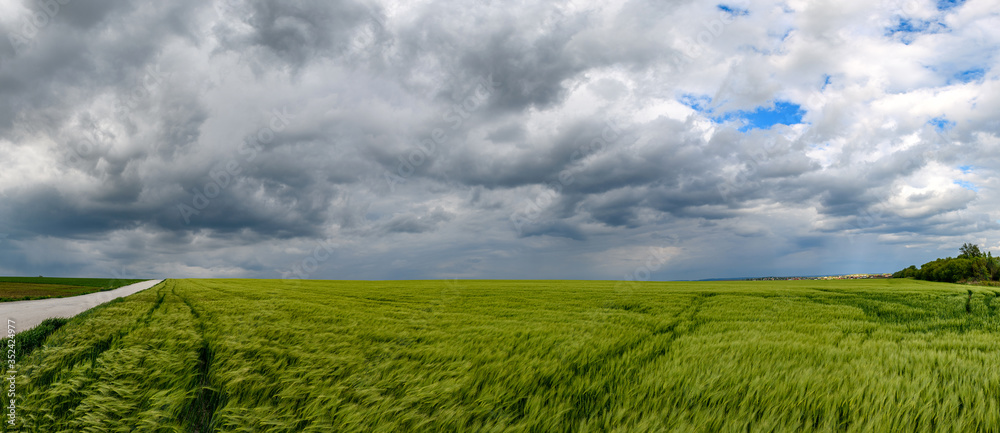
28,314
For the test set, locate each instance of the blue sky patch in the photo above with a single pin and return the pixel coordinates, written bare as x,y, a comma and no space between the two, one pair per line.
733,11
970,75
762,117
967,185
906,30
696,102
965,168
944,5
784,113
906,25
941,124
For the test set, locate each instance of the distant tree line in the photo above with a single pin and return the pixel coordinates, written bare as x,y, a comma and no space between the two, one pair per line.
970,265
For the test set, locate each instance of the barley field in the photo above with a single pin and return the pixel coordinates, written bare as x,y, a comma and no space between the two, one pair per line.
522,356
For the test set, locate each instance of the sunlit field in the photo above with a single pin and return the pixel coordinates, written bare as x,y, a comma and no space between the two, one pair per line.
522,356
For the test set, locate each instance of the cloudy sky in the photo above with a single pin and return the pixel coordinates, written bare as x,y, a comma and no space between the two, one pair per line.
452,139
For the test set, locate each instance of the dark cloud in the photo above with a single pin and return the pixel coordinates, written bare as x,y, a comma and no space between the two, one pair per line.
449,139
413,223
292,32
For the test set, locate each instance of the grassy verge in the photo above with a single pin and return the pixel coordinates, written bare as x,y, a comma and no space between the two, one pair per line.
28,288
316,356
28,341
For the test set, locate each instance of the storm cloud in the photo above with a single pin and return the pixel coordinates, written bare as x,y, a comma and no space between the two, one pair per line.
385,140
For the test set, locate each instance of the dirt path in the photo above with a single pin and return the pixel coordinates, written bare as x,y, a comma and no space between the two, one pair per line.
28,314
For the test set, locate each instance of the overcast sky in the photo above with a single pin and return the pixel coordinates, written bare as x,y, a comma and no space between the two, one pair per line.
453,139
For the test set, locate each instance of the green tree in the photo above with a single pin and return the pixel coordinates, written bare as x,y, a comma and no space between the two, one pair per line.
910,272
992,266
971,265
969,251
980,272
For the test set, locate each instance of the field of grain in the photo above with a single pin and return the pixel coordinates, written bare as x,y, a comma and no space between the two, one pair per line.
26,288
523,356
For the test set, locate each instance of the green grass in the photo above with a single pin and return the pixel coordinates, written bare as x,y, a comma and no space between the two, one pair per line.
523,356
27,341
26,288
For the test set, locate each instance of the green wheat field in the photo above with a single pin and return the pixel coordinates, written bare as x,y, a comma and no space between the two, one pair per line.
522,356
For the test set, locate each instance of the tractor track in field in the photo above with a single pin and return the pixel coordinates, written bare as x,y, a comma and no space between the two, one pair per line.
103,345
684,317
201,412
209,396
588,403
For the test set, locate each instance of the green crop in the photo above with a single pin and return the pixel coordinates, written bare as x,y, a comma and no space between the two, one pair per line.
523,356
